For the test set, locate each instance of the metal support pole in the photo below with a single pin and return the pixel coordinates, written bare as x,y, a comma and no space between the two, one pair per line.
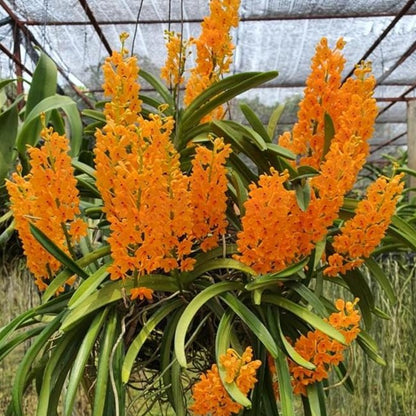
411,142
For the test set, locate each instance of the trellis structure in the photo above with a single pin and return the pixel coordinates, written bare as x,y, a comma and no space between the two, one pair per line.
273,35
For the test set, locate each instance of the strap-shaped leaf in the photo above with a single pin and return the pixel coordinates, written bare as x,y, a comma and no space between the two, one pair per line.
103,368
252,322
158,86
255,122
329,132
305,315
29,132
53,249
161,313
370,347
359,287
281,364
88,286
8,133
316,403
271,279
26,363
280,151
378,274
273,319
222,343
274,120
64,347
219,93
43,83
9,346
112,292
192,309
216,264
80,362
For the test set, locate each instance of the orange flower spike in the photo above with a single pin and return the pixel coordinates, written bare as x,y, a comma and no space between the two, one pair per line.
174,67
208,186
47,197
322,94
209,394
120,83
214,50
361,234
324,352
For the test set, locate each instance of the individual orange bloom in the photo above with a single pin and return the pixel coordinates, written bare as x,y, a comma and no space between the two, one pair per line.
47,197
209,394
214,50
323,351
141,293
361,234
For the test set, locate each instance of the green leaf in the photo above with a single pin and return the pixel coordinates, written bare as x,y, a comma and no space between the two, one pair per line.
43,83
191,310
273,319
8,133
161,313
177,389
303,195
215,264
26,363
399,228
159,87
359,288
80,362
29,132
309,296
94,114
54,367
112,292
281,151
274,120
103,369
88,286
251,320
255,122
370,347
329,131
218,94
305,315
315,406
272,279
222,343
53,249
9,346
378,274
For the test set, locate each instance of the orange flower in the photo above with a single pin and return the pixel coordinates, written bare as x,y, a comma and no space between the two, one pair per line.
174,67
156,212
141,293
321,350
214,50
208,186
209,394
361,234
48,198
276,232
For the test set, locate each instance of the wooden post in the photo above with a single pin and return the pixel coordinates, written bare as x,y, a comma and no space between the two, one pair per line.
411,142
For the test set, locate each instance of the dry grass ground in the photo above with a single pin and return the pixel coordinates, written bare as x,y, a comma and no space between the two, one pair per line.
380,391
